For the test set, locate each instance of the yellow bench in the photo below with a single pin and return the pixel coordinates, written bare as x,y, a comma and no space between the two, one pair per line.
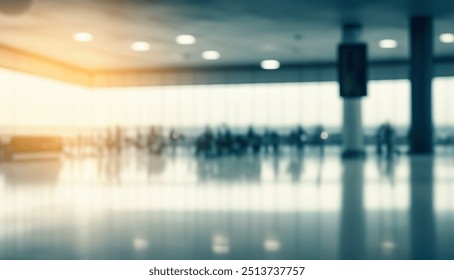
33,147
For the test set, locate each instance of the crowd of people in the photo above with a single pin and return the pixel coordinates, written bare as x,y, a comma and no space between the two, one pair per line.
115,140
224,142
217,141
385,141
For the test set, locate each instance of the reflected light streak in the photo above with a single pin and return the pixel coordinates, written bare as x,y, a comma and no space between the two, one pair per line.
388,245
220,244
444,195
378,197
91,200
140,244
271,244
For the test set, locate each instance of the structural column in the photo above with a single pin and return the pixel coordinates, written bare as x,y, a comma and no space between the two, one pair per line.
421,131
353,222
352,128
423,233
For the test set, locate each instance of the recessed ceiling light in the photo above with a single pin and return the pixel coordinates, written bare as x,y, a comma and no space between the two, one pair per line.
387,44
140,46
185,39
270,64
447,38
211,55
82,37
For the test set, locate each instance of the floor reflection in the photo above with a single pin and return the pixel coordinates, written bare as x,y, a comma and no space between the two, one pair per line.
422,219
353,235
229,169
137,206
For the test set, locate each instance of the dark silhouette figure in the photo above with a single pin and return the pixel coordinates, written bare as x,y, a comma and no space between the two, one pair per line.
389,135
228,141
266,141
155,141
139,140
110,141
321,136
275,141
253,141
298,138
118,140
386,139
380,139
295,168
174,138
205,143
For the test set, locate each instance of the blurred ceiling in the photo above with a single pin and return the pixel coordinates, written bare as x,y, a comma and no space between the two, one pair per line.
243,31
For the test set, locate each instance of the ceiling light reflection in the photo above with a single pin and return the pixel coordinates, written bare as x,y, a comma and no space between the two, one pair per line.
220,244
271,244
140,244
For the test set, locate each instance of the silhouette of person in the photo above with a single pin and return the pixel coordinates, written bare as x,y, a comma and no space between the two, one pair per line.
298,138
380,139
321,136
388,135
253,140
205,142
174,137
275,141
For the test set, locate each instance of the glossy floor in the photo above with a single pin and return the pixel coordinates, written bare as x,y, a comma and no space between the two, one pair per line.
180,207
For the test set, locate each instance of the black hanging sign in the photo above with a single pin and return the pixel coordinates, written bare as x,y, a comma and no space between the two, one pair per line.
352,69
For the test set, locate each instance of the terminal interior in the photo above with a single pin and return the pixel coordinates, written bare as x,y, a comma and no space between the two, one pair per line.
217,130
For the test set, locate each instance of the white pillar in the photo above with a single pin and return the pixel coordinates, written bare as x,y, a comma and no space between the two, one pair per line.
352,127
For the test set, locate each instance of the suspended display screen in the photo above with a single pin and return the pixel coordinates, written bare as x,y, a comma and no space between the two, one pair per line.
352,67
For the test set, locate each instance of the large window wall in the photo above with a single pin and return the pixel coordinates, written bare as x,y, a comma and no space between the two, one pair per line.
34,103
443,103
